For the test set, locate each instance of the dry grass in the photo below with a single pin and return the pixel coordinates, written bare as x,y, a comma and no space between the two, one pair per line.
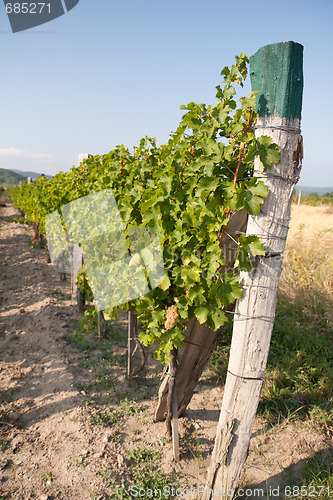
307,274
299,375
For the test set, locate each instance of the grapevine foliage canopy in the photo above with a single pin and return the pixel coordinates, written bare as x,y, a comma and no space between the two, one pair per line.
186,191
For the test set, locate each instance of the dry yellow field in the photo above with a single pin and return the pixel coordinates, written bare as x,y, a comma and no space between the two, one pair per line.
308,260
312,225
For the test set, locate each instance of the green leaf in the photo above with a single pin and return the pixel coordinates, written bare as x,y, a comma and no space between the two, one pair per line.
207,185
269,153
201,314
229,91
252,244
165,283
216,320
196,294
248,245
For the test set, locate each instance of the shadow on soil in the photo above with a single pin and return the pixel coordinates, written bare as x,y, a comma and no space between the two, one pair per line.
313,473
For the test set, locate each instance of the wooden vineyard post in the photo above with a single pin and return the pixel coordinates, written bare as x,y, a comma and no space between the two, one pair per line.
129,343
277,72
175,431
100,325
133,344
172,406
76,263
131,336
299,200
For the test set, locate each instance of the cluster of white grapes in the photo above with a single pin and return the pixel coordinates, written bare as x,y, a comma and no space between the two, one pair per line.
135,260
171,317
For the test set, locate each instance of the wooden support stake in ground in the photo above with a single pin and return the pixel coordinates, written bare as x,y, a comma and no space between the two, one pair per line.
101,324
172,406
131,340
277,71
76,263
175,431
299,200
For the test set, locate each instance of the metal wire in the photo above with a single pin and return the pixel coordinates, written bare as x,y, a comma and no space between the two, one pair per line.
262,235
289,180
243,317
240,316
259,379
278,127
261,286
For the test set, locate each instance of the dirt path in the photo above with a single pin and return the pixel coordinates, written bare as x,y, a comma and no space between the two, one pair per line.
49,448
36,387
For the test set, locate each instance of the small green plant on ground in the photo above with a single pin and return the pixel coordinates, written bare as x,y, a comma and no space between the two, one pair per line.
79,463
131,407
114,418
46,478
81,345
21,220
317,481
3,444
100,362
141,455
107,418
143,474
59,294
118,491
157,482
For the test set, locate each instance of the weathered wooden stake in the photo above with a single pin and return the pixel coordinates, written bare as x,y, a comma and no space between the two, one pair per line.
299,200
277,71
99,324
131,340
172,406
76,263
175,431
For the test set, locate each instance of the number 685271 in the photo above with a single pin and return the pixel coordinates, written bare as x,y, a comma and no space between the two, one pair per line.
27,8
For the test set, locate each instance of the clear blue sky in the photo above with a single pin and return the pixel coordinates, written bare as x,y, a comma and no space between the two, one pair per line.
109,72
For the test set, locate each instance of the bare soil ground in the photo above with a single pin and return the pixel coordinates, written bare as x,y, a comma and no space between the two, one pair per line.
53,402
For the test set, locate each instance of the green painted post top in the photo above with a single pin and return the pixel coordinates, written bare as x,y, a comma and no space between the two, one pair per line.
277,72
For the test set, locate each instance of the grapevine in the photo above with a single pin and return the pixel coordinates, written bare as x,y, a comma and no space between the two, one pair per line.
186,190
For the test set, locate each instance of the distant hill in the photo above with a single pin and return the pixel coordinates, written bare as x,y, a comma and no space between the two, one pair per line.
33,175
9,177
311,190
14,176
